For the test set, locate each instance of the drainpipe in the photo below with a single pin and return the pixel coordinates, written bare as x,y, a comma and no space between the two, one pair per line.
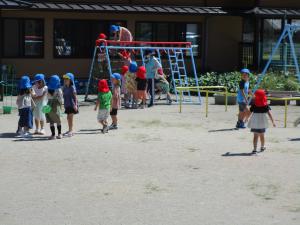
205,45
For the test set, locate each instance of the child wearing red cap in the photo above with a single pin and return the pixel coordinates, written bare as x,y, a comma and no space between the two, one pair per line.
259,121
104,104
141,81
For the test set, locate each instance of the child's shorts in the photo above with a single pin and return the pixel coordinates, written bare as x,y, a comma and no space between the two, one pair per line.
242,106
103,114
260,131
114,112
70,110
26,118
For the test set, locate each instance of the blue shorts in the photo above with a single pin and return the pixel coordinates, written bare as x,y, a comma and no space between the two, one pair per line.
242,106
26,118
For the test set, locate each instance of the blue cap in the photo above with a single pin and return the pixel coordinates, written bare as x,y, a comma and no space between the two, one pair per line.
54,82
25,82
116,76
71,77
114,28
133,67
39,77
149,51
245,71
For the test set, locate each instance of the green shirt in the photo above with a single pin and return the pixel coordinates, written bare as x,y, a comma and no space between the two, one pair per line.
105,100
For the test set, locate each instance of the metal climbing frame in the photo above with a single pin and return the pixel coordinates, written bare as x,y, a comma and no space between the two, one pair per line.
177,53
288,31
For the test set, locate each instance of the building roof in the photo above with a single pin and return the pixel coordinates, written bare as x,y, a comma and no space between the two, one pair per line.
99,7
11,4
257,11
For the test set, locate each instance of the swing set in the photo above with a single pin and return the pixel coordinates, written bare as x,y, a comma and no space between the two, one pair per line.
172,55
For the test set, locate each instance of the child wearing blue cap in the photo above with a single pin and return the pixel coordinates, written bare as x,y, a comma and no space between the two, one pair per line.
55,100
130,85
242,98
70,101
25,104
116,100
40,98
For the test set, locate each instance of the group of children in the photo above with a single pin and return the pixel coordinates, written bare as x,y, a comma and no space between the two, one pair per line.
43,103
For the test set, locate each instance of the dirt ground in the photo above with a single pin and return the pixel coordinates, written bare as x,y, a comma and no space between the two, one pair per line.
160,168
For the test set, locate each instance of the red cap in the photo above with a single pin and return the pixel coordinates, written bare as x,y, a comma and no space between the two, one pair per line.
102,36
103,86
260,99
141,73
160,71
124,70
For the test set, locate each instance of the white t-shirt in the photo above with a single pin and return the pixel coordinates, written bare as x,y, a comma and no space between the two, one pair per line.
40,92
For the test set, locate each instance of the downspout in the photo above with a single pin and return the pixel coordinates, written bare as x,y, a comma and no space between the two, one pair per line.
205,45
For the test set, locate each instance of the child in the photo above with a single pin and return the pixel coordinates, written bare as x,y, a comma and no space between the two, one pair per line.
25,104
242,98
104,104
131,84
116,100
40,98
55,100
162,84
70,101
259,121
141,86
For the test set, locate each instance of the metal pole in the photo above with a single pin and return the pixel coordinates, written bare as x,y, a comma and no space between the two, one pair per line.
294,54
180,101
90,74
206,104
285,112
195,74
260,78
226,100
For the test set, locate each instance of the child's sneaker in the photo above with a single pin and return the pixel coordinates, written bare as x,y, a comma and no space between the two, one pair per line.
238,124
68,134
254,152
242,125
52,137
113,127
26,135
105,129
262,149
59,136
42,131
36,131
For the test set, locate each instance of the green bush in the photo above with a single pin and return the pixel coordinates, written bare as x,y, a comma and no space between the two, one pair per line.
272,81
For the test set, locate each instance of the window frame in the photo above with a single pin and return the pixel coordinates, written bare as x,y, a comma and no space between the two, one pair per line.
55,56
154,28
21,23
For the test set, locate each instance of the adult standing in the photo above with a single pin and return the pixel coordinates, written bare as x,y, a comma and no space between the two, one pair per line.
152,65
121,33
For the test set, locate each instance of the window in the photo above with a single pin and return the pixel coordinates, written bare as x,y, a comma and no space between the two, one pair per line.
76,38
23,37
271,32
248,30
163,31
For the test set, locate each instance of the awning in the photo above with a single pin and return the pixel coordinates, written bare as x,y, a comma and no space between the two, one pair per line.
97,7
273,12
14,4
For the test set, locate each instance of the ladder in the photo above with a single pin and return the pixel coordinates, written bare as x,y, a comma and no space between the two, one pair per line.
178,72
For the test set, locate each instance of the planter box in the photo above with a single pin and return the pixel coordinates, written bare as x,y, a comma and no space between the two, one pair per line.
281,94
220,100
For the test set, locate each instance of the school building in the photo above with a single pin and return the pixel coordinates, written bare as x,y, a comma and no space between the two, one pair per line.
55,36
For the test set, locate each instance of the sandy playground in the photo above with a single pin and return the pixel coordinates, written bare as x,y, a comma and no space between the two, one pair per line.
159,168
